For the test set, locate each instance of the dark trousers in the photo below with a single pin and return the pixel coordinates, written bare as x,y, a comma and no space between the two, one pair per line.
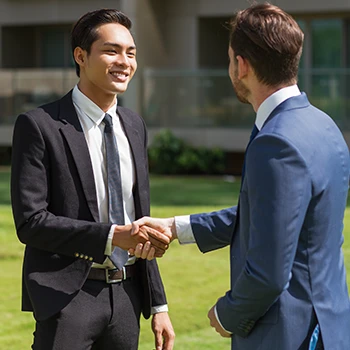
101,317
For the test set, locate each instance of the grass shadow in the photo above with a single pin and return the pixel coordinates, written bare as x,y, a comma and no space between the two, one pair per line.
194,191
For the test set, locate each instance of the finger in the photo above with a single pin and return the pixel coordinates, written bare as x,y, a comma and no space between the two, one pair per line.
134,228
131,251
159,341
138,250
145,250
158,253
151,254
157,238
161,238
143,221
168,343
212,323
157,244
142,235
158,235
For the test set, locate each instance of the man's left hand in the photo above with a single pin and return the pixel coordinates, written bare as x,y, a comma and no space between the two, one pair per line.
163,331
215,324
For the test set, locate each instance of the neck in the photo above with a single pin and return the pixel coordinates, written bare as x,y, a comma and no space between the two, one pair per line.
101,98
262,92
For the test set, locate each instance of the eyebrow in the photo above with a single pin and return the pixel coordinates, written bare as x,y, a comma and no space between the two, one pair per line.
133,47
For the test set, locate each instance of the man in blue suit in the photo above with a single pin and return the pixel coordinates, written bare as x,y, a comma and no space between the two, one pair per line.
288,282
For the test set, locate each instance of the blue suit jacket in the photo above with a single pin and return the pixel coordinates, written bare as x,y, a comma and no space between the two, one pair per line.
287,268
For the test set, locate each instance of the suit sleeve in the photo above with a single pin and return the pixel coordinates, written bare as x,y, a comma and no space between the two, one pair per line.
278,192
31,180
214,230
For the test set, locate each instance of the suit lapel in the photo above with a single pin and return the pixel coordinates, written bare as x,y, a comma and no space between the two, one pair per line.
74,135
137,149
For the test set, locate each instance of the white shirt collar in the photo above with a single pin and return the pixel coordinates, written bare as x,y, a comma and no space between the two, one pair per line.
272,102
89,108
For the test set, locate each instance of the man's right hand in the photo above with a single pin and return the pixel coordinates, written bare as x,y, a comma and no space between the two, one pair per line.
127,238
162,227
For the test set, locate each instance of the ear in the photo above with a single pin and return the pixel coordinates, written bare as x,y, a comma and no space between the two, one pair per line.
79,56
242,67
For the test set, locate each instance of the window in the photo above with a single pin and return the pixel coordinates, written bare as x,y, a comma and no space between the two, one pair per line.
55,47
324,69
326,36
36,47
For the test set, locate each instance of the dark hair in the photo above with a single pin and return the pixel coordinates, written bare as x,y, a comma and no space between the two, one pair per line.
270,40
85,30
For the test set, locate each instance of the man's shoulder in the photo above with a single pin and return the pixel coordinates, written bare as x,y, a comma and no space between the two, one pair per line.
131,117
50,109
128,112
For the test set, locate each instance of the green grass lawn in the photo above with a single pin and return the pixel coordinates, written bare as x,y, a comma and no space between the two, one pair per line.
188,275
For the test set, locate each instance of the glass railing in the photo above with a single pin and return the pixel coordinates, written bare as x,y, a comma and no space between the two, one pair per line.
197,98
25,89
329,90
177,98
205,98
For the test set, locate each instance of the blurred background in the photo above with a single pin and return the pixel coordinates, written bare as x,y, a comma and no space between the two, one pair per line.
182,82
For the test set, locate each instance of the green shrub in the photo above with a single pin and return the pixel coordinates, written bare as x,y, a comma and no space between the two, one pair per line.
170,155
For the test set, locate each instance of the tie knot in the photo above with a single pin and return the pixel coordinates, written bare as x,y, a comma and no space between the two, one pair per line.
107,120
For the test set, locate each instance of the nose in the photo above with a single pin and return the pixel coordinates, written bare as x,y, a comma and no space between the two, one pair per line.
122,60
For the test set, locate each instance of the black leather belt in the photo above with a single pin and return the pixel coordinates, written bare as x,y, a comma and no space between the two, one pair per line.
112,275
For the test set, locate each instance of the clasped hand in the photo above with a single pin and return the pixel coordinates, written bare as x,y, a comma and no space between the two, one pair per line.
157,230
136,237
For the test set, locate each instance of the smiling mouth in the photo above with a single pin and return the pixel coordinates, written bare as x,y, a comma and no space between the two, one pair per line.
120,76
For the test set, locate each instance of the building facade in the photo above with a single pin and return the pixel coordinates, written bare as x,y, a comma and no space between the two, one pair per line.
182,81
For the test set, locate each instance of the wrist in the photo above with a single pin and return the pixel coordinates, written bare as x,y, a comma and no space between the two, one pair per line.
173,228
119,232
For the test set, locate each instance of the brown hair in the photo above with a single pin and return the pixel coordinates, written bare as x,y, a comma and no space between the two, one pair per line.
85,30
270,40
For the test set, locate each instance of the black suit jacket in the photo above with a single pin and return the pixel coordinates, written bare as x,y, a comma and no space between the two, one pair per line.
55,206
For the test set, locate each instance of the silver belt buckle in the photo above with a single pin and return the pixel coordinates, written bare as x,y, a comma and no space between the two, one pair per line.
108,280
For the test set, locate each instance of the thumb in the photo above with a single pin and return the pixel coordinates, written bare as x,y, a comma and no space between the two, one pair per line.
134,228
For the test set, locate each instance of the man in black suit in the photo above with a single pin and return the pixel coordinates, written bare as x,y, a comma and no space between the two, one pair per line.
64,199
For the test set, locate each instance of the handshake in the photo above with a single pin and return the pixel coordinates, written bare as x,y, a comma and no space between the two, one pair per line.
146,238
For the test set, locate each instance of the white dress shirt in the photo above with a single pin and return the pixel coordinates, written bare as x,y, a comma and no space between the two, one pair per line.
91,117
182,223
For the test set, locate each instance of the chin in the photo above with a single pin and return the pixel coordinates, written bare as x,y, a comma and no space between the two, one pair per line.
117,92
120,89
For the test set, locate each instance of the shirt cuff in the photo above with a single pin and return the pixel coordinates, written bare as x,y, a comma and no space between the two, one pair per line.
184,229
218,319
159,308
108,250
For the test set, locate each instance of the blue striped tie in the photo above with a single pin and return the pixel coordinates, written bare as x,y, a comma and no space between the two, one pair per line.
114,184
